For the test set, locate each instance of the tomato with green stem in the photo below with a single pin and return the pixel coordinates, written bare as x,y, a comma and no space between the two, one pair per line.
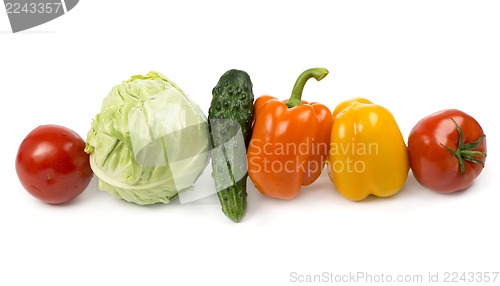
447,151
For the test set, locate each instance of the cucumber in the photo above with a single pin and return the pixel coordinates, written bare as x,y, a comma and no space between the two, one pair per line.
230,124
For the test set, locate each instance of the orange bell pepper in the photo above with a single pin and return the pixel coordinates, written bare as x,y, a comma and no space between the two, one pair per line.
290,141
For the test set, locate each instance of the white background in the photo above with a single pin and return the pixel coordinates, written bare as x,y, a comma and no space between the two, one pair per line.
413,57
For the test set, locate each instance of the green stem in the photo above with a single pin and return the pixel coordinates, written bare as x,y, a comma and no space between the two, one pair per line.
296,98
466,152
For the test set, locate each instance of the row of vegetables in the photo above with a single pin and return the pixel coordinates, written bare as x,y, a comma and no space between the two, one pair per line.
150,143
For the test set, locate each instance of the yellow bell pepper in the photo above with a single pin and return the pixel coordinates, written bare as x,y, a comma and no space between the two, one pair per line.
368,154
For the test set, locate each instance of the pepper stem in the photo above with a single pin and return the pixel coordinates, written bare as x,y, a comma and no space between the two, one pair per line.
296,98
466,152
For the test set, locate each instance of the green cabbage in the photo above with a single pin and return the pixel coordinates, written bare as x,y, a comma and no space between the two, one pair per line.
149,142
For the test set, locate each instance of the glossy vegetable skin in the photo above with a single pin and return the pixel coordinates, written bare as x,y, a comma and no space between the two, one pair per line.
447,151
230,124
52,165
290,141
368,154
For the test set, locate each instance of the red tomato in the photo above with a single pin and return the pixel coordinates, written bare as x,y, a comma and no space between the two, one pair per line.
447,151
52,165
